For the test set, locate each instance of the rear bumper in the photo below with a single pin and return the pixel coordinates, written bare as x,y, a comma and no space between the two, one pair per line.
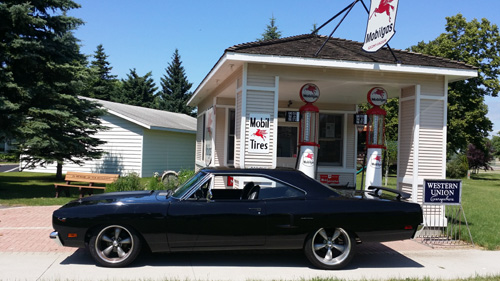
55,235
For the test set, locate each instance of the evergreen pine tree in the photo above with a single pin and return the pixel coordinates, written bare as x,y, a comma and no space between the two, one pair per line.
104,83
42,72
271,31
138,90
175,88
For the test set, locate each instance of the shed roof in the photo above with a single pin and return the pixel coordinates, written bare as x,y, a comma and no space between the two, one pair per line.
148,118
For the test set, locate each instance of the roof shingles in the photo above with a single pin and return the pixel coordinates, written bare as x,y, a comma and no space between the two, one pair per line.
306,46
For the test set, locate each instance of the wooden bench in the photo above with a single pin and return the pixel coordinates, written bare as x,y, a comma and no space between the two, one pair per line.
84,177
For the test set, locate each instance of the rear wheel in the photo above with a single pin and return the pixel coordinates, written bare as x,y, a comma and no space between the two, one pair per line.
114,246
330,248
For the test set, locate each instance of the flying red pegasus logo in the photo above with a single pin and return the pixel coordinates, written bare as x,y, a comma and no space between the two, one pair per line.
310,156
311,88
384,7
378,158
380,93
261,133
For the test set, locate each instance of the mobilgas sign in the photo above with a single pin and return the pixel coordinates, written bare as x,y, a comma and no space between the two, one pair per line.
381,24
442,192
258,140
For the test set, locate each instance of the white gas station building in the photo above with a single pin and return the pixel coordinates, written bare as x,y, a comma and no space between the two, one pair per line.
263,79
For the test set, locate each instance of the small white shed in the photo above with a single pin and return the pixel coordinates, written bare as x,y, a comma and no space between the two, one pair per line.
140,140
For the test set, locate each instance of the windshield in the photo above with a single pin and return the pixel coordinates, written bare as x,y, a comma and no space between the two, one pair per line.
181,190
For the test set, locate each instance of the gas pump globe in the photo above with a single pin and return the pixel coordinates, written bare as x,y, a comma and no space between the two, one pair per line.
375,137
309,127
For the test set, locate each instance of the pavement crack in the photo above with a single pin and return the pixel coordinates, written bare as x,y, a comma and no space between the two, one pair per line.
48,267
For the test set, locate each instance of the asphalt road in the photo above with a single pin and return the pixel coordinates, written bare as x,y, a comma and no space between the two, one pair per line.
9,168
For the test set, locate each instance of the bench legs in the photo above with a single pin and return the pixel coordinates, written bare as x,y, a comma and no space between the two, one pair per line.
90,191
59,189
62,188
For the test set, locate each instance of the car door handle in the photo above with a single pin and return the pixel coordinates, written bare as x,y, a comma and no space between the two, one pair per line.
255,209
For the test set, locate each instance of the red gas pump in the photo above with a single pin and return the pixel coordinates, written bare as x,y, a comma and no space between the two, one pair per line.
309,127
375,136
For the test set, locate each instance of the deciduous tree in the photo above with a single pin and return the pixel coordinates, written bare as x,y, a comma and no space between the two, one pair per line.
495,143
478,158
474,43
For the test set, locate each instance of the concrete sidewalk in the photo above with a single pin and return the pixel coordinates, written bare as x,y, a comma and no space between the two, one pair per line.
26,253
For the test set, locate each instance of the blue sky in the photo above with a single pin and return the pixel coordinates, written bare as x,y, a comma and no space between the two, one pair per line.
144,34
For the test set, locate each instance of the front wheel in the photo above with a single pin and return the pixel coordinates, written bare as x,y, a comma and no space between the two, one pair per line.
114,246
330,248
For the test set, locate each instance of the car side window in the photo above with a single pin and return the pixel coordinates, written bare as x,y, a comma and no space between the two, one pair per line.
237,187
279,190
203,192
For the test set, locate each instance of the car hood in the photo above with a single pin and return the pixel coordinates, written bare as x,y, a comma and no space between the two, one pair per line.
128,197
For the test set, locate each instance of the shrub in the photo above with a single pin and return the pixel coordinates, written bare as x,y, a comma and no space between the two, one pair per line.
129,182
184,175
8,157
155,183
457,167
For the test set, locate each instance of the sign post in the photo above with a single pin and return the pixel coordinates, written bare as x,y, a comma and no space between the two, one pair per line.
440,222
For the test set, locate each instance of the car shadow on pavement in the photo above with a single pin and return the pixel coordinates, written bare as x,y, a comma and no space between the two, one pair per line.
371,255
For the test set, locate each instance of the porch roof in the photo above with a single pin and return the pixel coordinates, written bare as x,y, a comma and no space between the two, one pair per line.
337,53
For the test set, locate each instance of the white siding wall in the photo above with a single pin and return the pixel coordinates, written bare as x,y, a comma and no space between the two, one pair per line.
422,131
237,129
261,98
165,150
199,138
220,136
406,127
123,147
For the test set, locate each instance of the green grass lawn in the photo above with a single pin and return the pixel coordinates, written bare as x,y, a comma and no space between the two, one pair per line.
480,199
32,189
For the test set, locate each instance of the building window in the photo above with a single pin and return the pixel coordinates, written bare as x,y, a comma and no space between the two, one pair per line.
331,139
206,126
287,141
230,137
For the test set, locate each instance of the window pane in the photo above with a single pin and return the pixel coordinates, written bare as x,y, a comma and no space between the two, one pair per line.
287,141
230,137
330,139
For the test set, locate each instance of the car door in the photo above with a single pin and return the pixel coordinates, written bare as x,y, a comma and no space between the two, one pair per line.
231,223
288,217
199,221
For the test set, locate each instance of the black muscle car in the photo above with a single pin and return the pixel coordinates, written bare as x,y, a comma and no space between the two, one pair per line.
234,209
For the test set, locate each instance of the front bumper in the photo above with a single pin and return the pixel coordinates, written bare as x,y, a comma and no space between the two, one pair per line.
55,235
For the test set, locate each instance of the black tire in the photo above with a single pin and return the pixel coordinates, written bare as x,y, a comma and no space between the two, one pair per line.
114,246
330,248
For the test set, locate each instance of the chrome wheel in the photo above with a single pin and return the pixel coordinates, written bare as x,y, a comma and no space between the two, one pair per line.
114,246
330,249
